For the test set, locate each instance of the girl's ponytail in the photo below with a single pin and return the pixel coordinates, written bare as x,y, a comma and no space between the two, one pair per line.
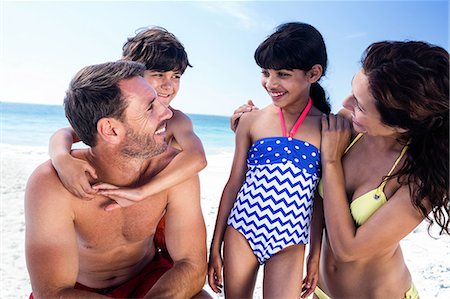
319,99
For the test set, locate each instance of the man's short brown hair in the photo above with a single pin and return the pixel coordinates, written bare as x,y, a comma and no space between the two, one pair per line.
94,93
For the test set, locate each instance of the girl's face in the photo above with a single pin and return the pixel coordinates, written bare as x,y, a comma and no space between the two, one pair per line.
285,86
365,115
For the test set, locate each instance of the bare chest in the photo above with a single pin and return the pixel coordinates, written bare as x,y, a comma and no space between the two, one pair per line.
99,229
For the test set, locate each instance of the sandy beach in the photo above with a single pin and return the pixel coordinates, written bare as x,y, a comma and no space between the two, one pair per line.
428,259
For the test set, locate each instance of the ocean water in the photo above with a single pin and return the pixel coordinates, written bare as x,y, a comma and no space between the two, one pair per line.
31,125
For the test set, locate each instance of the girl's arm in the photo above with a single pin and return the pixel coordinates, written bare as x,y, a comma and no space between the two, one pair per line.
73,173
384,229
237,176
316,233
186,164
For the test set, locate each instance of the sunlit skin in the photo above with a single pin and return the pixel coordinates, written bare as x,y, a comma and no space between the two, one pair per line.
147,134
178,133
289,90
364,114
363,261
286,87
166,84
101,249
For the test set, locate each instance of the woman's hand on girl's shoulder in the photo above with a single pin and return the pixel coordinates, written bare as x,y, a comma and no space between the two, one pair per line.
336,133
234,119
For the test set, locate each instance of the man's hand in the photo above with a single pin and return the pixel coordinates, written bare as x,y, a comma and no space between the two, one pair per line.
234,119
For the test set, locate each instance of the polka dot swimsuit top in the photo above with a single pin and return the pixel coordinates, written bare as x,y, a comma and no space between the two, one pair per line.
274,150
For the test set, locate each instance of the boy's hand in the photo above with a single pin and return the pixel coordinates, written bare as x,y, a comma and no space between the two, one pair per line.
215,273
75,175
123,197
234,119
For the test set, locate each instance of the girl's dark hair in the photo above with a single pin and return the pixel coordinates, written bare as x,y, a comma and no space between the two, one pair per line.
409,81
296,46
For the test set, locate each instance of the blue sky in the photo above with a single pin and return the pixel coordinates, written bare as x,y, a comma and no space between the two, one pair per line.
43,44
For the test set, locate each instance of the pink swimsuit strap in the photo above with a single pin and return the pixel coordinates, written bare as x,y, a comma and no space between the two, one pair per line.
297,123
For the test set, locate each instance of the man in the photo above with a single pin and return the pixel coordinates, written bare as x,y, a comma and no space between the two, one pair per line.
165,61
75,248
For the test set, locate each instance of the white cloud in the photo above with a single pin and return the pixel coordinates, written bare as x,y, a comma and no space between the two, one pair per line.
356,35
244,17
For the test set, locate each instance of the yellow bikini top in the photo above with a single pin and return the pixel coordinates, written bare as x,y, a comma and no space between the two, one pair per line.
365,205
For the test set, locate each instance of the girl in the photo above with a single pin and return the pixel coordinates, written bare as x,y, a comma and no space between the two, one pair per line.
266,205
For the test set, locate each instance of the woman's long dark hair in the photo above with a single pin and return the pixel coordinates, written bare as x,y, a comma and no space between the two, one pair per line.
409,81
296,46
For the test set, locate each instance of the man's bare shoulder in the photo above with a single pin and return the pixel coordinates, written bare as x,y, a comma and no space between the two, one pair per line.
43,176
45,189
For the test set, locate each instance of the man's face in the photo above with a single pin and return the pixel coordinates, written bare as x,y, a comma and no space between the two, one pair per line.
145,119
166,84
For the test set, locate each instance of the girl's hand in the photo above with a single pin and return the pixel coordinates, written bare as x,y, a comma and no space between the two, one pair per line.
336,133
312,277
234,119
75,175
123,197
215,266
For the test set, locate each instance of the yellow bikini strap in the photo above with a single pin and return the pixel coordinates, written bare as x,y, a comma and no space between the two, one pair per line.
402,153
353,142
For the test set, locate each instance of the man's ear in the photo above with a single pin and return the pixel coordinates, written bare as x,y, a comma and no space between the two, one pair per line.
314,73
110,130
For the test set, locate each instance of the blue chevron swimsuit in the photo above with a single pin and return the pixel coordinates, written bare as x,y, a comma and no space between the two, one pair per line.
274,205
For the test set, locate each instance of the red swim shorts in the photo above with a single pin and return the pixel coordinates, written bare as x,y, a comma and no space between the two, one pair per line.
139,285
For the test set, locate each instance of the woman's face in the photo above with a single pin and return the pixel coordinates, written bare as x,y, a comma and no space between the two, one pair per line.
365,115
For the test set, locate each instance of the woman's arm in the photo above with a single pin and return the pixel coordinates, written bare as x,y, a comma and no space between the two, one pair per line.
73,173
383,230
237,176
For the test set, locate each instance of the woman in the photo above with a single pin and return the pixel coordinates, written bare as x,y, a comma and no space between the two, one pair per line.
392,175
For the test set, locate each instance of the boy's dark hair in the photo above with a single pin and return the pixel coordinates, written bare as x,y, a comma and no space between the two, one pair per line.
157,49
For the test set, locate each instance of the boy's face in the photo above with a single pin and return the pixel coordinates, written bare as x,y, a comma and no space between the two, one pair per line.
166,84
